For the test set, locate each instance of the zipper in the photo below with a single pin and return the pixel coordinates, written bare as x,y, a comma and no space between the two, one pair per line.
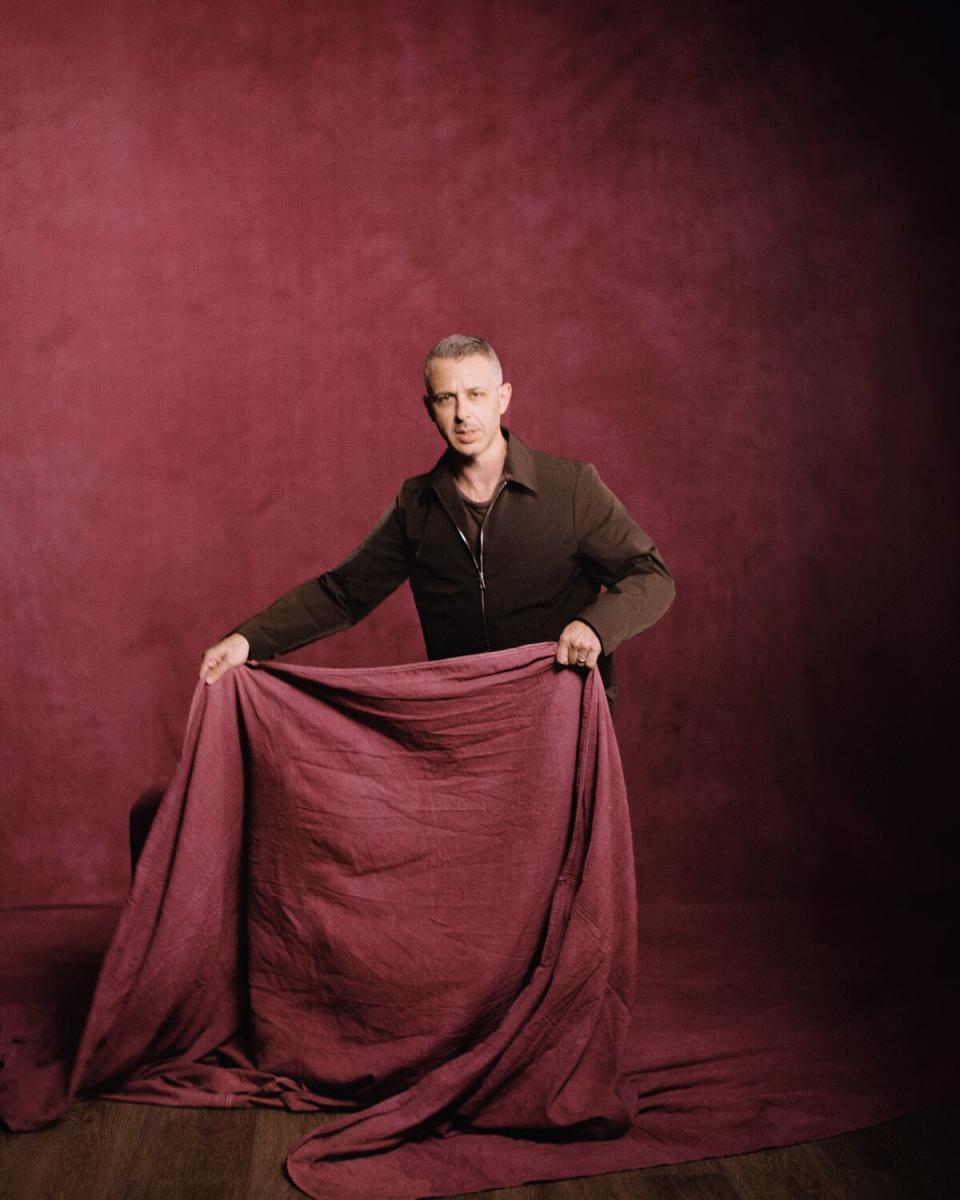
479,563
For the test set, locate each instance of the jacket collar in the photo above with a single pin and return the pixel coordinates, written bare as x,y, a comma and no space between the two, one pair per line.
518,468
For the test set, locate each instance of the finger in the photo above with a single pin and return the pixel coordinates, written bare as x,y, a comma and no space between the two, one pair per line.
584,655
212,669
592,658
561,654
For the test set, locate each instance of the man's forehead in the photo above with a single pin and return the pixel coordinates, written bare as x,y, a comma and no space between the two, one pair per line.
450,372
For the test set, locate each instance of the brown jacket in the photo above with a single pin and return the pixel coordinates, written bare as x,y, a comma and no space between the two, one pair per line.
556,545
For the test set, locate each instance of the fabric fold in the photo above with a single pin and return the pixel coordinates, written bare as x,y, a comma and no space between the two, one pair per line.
405,892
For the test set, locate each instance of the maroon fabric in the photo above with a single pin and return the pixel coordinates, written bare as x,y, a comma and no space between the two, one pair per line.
408,892
409,888
713,244
757,1023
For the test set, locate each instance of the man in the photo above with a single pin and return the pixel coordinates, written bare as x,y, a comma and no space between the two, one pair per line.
503,546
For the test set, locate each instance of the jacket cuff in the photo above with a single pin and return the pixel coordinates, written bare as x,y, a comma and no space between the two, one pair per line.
603,629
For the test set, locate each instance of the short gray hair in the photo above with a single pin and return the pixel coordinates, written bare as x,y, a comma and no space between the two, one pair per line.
460,345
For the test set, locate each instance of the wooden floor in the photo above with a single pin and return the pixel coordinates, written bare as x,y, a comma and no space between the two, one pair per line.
118,1151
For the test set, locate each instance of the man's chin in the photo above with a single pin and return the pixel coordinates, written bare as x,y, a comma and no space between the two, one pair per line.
465,449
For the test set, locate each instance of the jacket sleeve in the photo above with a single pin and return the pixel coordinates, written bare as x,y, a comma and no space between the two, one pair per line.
623,559
338,598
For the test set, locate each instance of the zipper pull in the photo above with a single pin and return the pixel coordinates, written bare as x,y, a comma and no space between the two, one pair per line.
483,586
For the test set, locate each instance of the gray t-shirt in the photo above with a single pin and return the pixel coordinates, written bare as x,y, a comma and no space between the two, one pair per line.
475,513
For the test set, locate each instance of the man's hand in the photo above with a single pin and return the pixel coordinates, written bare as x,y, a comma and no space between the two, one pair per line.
224,656
578,646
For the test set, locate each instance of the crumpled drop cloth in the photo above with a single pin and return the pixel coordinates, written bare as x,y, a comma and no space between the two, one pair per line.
407,892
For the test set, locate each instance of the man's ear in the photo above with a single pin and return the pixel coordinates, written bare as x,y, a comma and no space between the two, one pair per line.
506,391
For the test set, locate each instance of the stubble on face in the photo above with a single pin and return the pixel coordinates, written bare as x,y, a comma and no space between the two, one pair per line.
467,398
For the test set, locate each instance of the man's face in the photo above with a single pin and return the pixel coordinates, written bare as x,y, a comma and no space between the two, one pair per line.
466,401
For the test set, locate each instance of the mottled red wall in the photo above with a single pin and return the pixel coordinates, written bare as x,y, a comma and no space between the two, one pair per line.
711,244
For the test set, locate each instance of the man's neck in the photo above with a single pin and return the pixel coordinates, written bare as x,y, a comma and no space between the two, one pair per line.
478,477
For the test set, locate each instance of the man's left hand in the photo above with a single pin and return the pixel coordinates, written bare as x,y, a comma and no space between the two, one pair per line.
578,646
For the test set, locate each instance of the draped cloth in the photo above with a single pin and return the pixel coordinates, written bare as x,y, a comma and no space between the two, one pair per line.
404,892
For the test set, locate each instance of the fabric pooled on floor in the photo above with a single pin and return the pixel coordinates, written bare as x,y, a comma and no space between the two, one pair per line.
407,892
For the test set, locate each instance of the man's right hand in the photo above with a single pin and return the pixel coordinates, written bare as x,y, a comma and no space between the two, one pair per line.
223,657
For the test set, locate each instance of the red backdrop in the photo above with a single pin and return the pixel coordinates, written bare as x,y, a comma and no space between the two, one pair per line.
709,246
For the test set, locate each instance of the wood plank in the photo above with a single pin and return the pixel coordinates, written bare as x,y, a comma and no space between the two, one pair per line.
108,1150
276,1131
